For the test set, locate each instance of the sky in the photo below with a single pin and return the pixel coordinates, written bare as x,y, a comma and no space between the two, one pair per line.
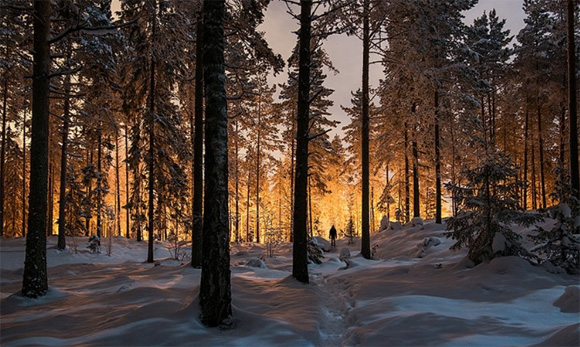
346,52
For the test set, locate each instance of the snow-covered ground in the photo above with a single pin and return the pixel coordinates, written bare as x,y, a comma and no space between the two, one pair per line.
398,299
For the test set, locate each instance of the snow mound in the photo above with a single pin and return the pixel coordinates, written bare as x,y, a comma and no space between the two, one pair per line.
427,243
569,302
395,226
322,243
417,222
384,224
499,243
344,254
257,262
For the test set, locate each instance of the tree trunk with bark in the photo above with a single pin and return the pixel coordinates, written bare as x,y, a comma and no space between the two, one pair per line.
437,163
63,165
215,289
365,236
128,211
151,155
416,196
407,175
300,250
197,226
35,279
572,102
3,151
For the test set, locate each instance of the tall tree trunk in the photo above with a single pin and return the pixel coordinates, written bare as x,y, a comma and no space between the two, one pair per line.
310,222
35,279
388,186
117,186
128,208
50,202
100,181
24,195
89,190
416,197
572,103
533,163
562,129
407,175
237,181
249,236
541,150
526,141
63,165
437,163
215,289
365,236
197,227
292,174
258,149
151,111
3,152
300,250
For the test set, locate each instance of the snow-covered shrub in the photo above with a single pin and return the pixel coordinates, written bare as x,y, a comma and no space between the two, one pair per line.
561,244
374,250
315,253
257,262
94,244
384,224
427,243
487,205
417,222
350,231
344,254
322,243
175,247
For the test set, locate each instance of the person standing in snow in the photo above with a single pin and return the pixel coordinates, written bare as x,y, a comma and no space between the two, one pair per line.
332,235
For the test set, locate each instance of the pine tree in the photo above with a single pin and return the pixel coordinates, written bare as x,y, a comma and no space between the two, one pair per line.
488,205
560,245
215,289
35,279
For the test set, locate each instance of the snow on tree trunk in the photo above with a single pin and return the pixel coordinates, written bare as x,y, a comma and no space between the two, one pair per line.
215,288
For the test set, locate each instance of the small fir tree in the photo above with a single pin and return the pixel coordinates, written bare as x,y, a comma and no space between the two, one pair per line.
487,206
560,245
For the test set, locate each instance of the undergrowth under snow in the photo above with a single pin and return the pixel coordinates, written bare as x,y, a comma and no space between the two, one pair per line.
417,292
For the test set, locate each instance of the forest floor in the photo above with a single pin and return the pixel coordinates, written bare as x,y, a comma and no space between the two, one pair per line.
397,299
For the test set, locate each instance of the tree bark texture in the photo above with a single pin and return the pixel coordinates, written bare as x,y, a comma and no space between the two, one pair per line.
3,152
572,102
197,226
437,163
416,196
151,164
35,280
63,164
215,288
365,236
300,250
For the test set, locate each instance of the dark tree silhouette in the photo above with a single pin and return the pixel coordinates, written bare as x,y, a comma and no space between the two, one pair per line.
215,289
35,280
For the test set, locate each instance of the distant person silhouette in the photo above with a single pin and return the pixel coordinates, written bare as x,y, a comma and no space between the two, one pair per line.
332,236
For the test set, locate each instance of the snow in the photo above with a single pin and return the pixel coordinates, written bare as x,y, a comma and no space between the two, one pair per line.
396,299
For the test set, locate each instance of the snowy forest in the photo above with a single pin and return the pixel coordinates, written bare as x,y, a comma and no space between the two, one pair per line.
167,139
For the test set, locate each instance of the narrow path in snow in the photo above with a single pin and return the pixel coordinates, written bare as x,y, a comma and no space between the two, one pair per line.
336,304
